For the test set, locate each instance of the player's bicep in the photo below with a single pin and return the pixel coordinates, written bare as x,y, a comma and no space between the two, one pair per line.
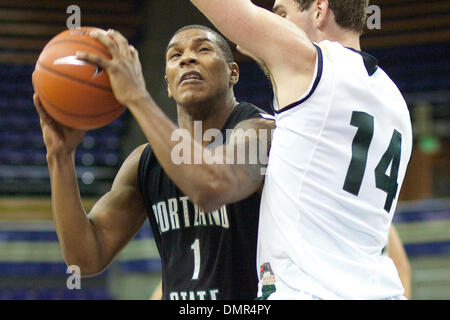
275,40
120,213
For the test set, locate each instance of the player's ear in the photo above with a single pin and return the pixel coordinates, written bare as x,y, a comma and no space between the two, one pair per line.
321,12
234,73
169,93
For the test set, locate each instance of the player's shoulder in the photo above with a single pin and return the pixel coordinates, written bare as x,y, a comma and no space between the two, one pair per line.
130,168
136,154
247,109
255,124
390,87
139,151
330,48
248,116
142,155
247,112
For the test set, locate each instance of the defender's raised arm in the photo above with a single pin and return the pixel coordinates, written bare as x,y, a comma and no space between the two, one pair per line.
284,47
257,30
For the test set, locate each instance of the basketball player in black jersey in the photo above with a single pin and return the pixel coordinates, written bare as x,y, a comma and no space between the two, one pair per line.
204,216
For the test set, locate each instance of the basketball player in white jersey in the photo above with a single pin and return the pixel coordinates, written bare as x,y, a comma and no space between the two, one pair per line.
339,152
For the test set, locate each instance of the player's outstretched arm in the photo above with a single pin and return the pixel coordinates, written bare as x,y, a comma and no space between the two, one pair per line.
283,47
265,35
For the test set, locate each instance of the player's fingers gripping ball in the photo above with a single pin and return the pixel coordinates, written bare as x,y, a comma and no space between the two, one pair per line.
75,93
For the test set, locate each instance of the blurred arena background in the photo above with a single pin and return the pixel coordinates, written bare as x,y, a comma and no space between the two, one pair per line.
412,46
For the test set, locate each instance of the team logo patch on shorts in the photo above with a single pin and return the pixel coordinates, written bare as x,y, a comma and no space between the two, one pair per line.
266,275
267,278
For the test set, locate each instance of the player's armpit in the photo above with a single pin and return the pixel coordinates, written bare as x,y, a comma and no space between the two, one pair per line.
120,213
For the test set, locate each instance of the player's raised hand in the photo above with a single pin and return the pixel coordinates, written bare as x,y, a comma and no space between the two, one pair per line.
57,138
124,69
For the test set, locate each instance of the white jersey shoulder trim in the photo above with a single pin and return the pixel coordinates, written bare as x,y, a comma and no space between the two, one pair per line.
316,79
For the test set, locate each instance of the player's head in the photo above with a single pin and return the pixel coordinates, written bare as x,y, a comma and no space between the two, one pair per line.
315,16
199,66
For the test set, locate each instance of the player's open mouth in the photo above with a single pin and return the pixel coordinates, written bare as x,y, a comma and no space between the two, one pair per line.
191,77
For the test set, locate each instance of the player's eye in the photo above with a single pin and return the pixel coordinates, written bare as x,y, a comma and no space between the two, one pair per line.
175,55
204,49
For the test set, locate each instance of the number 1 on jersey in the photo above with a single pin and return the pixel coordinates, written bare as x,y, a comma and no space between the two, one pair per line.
360,149
196,248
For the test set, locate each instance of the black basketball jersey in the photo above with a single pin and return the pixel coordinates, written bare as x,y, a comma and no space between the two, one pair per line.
204,255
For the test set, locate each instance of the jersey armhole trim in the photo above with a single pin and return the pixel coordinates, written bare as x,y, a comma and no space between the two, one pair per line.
314,86
143,162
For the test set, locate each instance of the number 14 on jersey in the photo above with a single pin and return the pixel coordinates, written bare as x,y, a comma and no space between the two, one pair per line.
360,152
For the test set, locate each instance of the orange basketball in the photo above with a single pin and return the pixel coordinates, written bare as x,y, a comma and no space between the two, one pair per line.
75,93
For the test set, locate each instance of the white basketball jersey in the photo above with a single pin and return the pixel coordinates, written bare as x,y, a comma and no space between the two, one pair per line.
336,166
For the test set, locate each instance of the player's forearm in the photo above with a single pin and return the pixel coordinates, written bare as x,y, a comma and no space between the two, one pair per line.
75,232
199,181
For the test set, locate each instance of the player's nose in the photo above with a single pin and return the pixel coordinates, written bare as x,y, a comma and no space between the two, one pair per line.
188,57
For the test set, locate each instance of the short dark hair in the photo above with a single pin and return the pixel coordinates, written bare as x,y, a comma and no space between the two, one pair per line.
349,14
220,40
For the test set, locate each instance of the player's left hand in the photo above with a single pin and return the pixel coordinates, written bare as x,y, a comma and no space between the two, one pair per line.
124,69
